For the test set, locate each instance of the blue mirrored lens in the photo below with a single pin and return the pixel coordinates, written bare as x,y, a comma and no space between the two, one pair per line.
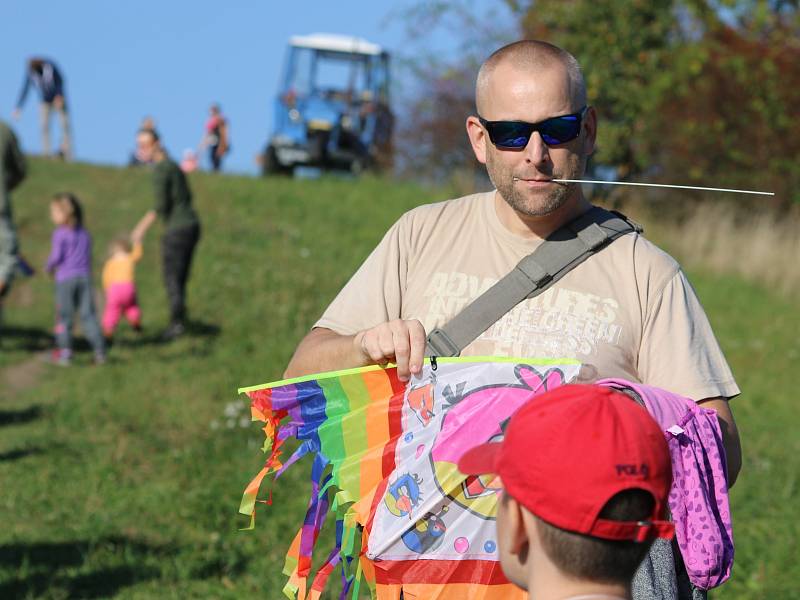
517,142
511,135
560,129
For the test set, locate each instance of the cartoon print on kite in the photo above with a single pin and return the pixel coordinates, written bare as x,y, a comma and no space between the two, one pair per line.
460,431
427,533
403,495
475,486
420,400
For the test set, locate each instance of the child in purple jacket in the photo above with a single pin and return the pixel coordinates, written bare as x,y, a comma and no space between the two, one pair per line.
71,263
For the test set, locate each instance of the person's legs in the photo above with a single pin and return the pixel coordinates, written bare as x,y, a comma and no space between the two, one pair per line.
177,249
44,124
91,328
8,255
170,265
132,311
5,287
112,311
65,309
216,161
191,240
66,139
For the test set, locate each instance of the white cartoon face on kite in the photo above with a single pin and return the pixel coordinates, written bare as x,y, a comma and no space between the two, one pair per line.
475,417
403,495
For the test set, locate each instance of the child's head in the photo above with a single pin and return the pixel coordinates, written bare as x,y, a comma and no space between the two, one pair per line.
586,473
65,209
120,244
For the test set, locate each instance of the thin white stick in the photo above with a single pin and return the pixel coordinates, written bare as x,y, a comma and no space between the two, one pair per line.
664,185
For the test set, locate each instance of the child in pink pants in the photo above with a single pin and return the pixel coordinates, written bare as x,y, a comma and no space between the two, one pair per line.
119,286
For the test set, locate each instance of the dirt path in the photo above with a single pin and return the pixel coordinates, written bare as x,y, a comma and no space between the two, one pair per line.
22,375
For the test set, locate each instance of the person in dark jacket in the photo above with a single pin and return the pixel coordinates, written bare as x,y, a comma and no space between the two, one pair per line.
43,74
182,226
12,172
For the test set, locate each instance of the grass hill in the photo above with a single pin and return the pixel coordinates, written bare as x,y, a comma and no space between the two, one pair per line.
125,479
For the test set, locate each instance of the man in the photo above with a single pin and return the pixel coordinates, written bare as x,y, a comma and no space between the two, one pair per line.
583,535
626,312
182,227
45,76
12,172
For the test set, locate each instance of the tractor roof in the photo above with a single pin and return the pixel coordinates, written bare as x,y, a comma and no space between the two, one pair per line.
336,43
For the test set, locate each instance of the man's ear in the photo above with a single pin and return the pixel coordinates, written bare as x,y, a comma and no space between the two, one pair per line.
477,137
590,131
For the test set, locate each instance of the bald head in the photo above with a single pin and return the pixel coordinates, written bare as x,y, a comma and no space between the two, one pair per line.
531,56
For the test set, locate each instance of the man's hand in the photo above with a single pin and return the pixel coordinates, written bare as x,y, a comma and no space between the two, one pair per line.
16,114
399,341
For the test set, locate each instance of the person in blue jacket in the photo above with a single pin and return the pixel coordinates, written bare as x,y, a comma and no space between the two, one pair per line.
44,75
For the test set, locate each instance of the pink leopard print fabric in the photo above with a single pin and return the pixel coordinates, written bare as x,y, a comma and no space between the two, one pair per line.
698,499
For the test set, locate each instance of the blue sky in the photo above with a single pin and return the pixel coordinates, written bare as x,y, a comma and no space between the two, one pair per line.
171,59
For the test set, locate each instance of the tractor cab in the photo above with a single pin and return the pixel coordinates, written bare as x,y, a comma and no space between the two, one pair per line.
332,110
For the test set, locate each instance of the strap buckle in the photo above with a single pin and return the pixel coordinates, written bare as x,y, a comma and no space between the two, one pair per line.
643,531
441,345
538,275
593,236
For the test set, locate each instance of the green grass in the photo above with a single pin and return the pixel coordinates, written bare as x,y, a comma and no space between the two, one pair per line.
125,480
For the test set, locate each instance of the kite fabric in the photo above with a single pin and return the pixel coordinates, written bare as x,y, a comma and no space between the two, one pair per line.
384,464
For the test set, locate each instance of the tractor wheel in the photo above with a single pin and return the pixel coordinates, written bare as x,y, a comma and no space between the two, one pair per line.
357,166
271,165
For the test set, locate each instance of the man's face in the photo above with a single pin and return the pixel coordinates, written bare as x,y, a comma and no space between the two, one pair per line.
145,147
517,95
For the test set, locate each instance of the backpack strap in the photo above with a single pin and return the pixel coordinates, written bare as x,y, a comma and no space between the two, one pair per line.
562,251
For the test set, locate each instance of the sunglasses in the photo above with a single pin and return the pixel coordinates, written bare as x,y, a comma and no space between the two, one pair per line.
554,131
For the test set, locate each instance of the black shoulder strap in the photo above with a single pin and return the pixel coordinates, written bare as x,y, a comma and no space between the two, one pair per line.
563,250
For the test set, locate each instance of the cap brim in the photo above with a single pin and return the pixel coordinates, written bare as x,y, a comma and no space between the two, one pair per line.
480,460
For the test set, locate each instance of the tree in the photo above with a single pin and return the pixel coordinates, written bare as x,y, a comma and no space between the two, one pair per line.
732,120
688,91
624,49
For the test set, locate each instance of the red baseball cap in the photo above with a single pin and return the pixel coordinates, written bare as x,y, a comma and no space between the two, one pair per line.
569,450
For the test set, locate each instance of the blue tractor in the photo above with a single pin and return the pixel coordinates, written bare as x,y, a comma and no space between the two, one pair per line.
332,110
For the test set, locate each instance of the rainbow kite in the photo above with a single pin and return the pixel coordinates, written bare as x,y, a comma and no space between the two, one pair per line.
384,464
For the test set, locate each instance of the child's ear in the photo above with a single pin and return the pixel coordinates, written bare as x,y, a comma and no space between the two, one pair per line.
518,536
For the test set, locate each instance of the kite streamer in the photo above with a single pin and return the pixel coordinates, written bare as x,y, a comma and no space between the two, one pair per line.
384,457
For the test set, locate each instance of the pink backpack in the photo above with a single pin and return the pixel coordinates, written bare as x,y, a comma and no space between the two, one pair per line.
698,499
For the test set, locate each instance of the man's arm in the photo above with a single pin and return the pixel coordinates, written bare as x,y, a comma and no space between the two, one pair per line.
399,341
679,352
730,435
22,95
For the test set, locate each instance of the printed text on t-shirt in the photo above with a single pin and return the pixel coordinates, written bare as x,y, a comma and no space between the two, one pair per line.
559,322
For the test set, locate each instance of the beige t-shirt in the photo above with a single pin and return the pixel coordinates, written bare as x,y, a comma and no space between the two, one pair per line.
626,312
